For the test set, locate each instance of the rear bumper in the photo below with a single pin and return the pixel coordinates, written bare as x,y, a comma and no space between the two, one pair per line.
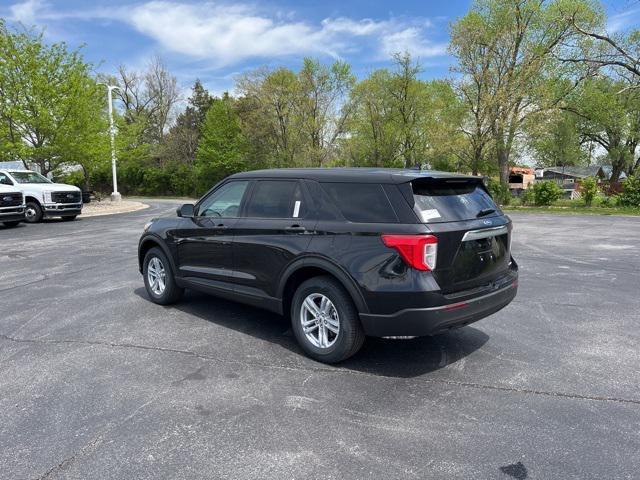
428,321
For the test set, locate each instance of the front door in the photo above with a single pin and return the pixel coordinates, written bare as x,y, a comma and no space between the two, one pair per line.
204,241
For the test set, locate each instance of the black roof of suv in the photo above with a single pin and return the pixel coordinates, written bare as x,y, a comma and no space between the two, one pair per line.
355,174
345,252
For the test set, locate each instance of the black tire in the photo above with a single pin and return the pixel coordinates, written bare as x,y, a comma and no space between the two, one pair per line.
12,224
171,292
33,212
350,335
69,218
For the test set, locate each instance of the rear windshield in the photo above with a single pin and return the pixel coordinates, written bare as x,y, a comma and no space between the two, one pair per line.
451,200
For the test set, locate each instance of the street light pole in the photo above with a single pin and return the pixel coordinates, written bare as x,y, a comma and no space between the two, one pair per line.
115,196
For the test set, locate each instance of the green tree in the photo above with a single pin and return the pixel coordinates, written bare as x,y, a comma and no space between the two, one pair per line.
321,107
555,139
508,49
51,110
268,106
609,115
181,143
222,147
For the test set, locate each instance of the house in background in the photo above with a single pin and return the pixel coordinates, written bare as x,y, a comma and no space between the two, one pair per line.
569,177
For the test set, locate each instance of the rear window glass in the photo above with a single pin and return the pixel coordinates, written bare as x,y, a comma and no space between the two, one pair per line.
361,202
451,200
276,199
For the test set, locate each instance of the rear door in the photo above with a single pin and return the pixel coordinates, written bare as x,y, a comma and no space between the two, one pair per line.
275,228
473,234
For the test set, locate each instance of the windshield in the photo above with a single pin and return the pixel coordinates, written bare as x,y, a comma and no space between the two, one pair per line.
29,177
452,200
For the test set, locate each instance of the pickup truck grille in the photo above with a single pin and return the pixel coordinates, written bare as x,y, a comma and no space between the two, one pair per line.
66,197
10,199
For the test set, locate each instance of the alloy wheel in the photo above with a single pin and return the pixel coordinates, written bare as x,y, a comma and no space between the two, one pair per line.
156,275
319,320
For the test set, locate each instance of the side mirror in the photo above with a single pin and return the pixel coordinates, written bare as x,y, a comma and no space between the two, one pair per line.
186,211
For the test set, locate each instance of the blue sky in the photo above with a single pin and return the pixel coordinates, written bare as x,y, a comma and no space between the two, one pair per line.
217,40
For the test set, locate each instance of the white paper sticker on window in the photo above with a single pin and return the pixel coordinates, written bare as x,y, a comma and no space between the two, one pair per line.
429,214
296,209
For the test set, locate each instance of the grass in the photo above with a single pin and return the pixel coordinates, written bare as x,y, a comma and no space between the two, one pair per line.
575,209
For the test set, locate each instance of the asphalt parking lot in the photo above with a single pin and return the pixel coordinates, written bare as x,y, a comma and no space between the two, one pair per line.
98,382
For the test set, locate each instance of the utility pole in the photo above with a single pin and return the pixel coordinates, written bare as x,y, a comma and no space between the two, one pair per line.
115,195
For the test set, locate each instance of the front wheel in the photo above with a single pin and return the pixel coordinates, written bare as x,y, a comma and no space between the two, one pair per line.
11,224
158,278
325,321
33,212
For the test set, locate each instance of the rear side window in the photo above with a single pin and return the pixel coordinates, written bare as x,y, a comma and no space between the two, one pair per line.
451,200
361,202
277,199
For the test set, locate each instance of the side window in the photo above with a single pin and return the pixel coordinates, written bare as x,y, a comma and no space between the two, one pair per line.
224,202
277,199
4,180
361,202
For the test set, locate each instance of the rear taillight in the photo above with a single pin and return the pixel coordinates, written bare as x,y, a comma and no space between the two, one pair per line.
419,251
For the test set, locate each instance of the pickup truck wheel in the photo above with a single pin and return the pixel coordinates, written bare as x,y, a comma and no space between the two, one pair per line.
11,224
33,212
325,321
69,218
158,278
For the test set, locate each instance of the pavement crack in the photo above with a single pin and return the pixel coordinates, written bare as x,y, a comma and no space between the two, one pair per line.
326,370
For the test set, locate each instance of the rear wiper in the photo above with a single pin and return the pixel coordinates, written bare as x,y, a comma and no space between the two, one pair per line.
485,211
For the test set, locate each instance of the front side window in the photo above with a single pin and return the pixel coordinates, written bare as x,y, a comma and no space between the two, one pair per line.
277,199
224,202
4,180
29,177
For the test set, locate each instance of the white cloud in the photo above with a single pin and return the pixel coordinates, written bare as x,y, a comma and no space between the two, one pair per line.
622,21
26,12
226,34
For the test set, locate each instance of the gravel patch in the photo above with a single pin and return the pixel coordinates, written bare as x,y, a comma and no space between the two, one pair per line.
107,207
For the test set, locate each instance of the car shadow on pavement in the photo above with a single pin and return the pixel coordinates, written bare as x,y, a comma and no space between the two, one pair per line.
405,357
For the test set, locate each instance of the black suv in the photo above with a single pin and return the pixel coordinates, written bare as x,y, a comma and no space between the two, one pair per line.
344,252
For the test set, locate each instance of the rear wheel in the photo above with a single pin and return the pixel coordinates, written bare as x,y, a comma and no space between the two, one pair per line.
11,224
325,321
33,212
158,278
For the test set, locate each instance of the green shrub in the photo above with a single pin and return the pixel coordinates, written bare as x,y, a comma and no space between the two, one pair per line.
527,197
630,196
499,191
589,188
545,193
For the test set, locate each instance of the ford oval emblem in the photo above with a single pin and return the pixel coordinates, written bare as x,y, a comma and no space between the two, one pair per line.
487,222
69,195
7,199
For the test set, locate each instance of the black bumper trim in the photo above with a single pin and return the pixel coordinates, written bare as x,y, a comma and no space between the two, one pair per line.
428,321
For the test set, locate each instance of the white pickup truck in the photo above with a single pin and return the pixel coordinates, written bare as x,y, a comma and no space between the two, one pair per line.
12,205
42,197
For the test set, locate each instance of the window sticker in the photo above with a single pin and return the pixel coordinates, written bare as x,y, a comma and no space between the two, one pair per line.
429,214
296,209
